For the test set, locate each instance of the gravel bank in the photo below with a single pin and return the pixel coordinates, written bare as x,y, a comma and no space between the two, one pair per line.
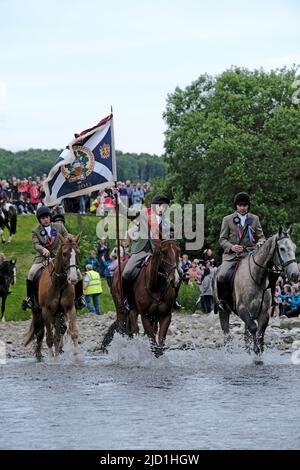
186,331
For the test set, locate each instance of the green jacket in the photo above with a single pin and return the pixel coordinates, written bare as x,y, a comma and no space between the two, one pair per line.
40,240
229,235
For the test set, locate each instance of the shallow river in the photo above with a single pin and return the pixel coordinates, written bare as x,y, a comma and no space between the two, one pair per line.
193,399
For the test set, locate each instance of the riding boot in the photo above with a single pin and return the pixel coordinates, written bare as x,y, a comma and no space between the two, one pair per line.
79,297
28,302
221,305
128,295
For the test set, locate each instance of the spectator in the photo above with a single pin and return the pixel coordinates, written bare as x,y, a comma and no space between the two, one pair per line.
206,290
93,261
110,267
92,289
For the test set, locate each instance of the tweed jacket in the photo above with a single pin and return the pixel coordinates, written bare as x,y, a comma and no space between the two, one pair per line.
40,240
229,235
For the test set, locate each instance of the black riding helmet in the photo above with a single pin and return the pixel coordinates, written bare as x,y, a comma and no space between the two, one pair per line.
43,210
241,198
160,199
58,217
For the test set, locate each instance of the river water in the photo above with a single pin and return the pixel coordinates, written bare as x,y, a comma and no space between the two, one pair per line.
187,399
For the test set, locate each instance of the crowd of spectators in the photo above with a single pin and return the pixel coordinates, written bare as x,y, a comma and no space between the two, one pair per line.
28,194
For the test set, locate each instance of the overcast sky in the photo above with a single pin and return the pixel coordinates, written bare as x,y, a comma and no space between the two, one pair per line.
63,63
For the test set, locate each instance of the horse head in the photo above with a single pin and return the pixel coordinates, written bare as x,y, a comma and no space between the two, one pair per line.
69,251
284,255
9,271
168,252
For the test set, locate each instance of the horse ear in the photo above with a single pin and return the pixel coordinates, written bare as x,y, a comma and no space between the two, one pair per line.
280,230
77,238
290,230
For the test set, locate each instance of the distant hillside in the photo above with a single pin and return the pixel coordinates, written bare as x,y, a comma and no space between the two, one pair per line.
34,162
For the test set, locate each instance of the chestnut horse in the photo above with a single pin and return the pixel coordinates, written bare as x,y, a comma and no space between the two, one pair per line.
154,296
55,299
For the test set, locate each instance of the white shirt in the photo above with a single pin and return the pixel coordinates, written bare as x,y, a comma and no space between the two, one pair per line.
48,230
242,219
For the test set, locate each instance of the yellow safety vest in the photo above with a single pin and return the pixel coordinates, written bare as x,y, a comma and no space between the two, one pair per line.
94,285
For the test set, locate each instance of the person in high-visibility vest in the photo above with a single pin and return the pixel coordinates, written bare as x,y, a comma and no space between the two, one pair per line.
92,289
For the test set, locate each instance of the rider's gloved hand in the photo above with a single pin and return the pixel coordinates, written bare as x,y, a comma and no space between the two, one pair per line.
46,253
237,248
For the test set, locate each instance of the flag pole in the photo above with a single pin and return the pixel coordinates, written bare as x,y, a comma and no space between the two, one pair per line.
117,216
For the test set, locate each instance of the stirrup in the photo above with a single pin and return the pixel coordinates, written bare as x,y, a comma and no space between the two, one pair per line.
219,307
80,303
27,303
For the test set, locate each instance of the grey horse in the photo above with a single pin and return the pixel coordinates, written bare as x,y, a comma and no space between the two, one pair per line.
252,297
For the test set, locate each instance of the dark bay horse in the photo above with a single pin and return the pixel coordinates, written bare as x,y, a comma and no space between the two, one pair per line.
154,295
55,300
8,275
8,219
252,297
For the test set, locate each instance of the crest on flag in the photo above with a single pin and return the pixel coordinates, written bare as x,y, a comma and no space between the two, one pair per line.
87,164
81,167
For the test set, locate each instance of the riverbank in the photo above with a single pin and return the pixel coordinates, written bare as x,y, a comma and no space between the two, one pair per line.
185,332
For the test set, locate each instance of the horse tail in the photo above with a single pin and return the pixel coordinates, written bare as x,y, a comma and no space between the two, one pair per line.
109,336
13,220
29,335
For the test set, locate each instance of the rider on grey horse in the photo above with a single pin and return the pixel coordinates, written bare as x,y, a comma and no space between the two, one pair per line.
240,233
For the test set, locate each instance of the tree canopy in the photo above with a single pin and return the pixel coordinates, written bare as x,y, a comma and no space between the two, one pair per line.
238,131
34,162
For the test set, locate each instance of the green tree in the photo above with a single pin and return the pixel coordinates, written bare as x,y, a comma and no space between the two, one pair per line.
236,131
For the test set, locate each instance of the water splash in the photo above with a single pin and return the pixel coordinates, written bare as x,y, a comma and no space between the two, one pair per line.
133,352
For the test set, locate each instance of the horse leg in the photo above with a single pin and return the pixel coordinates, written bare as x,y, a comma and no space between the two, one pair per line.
251,325
49,332
164,324
263,321
73,328
39,331
148,330
224,321
3,308
57,335
134,329
247,339
2,236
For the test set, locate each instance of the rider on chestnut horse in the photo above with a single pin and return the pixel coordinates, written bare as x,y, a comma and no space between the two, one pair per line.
45,241
150,224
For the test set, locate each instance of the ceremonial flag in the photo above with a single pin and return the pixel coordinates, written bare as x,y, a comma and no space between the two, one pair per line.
87,164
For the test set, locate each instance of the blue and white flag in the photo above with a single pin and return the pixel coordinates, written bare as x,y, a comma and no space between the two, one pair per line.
87,164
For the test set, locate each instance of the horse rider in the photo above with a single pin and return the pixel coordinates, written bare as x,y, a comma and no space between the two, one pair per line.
240,233
148,221
58,218
46,242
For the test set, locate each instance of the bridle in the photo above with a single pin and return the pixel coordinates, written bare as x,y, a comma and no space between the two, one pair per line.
173,266
276,250
65,269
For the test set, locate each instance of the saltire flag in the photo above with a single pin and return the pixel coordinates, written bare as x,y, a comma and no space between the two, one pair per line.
87,164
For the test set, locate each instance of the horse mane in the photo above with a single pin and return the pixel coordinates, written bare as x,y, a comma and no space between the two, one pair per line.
153,268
